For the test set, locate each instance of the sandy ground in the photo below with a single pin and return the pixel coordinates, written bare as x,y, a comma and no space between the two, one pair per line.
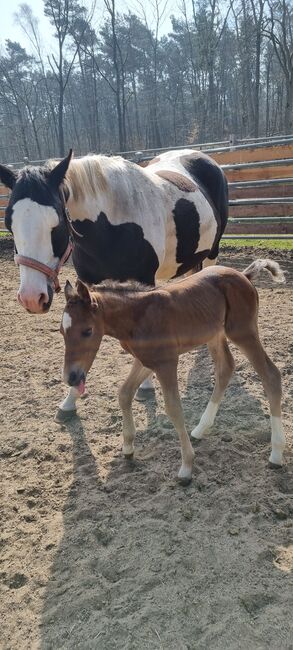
101,553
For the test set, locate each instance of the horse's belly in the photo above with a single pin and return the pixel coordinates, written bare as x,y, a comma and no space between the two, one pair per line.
168,267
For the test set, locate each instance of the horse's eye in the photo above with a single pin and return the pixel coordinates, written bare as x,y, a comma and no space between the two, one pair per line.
87,332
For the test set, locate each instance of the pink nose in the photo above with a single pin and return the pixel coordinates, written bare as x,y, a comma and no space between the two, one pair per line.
35,304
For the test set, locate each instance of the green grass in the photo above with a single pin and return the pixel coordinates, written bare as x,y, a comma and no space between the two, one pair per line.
281,244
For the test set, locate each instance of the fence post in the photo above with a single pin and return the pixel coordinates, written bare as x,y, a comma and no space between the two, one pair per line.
232,140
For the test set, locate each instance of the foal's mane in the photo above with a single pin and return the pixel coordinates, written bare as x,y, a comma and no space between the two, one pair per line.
130,286
112,286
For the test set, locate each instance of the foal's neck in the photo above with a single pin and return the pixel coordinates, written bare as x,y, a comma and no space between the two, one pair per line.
121,312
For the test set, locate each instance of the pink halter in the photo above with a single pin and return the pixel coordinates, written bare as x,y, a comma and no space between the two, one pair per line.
43,268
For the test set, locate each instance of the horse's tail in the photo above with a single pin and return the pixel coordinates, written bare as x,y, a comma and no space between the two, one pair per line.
253,270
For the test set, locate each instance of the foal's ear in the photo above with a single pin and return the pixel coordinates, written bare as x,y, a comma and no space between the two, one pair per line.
8,176
57,174
69,291
83,292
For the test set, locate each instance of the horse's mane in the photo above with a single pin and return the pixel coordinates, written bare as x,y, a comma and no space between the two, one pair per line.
131,286
85,176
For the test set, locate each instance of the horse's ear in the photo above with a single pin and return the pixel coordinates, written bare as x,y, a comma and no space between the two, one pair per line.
8,176
83,292
69,291
57,174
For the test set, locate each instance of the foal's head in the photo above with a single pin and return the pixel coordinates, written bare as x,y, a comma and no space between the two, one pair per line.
82,329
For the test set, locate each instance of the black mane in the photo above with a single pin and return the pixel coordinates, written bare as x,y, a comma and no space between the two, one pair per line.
32,183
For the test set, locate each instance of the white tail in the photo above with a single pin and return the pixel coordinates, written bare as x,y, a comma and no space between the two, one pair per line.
253,270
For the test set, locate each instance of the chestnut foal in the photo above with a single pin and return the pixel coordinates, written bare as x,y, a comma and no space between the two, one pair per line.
157,325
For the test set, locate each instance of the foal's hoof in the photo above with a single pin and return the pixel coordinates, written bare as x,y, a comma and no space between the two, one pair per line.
64,416
129,456
184,480
274,465
143,394
198,433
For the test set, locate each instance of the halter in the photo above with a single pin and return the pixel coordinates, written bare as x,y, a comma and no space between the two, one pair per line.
39,266
44,268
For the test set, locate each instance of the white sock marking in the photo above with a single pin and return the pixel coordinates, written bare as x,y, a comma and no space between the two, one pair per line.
278,441
147,383
69,403
206,420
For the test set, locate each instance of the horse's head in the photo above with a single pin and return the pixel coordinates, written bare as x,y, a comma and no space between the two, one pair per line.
35,216
82,328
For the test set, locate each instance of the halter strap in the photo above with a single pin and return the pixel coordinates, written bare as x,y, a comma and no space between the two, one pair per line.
43,268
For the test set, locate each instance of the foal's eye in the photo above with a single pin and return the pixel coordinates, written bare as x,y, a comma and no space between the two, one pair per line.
87,332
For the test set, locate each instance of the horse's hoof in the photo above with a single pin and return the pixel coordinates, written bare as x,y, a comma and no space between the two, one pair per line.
129,456
64,416
274,465
184,480
143,394
199,432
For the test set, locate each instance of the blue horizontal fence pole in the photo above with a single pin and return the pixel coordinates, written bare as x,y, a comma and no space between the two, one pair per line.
260,219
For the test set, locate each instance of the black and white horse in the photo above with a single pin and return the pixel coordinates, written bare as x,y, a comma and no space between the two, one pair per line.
126,221
130,222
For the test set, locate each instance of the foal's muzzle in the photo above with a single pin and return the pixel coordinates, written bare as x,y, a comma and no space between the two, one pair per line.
75,377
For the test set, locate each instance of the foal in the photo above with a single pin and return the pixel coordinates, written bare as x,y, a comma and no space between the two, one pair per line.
157,325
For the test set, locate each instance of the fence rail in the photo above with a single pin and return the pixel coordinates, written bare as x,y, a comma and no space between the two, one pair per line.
260,179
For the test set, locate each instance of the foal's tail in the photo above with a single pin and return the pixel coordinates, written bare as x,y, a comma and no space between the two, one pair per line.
253,270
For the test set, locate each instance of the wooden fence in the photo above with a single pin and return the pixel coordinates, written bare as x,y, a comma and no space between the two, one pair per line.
260,177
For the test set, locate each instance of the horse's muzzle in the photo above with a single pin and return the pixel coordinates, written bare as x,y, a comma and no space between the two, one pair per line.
47,305
75,377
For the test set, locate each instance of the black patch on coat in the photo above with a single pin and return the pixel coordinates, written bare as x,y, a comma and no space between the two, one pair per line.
187,224
32,183
117,252
212,181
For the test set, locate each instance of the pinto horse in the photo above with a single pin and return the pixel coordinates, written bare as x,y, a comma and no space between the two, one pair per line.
125,221
157,325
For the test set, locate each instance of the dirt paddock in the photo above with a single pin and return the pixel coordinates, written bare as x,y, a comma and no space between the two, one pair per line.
101,553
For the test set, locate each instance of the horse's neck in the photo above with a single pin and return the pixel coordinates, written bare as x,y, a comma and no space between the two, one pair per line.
118,196
121,312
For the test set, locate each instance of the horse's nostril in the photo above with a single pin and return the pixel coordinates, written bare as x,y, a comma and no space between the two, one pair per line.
72,378
43,299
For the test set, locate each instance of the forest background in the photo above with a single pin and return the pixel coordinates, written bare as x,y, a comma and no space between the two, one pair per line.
113,80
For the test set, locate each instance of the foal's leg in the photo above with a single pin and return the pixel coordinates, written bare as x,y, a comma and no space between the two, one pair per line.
224,367
167,376
271,381
126,394
67,408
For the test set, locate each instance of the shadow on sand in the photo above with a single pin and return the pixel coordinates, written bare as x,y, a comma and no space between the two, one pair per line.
89,592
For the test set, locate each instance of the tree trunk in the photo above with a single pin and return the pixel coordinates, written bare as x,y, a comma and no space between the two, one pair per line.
288,118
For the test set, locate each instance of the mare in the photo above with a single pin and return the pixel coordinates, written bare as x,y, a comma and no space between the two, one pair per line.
157,325
126,222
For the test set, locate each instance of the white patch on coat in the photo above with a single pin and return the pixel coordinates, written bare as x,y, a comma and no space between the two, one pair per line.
66,321
32,225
